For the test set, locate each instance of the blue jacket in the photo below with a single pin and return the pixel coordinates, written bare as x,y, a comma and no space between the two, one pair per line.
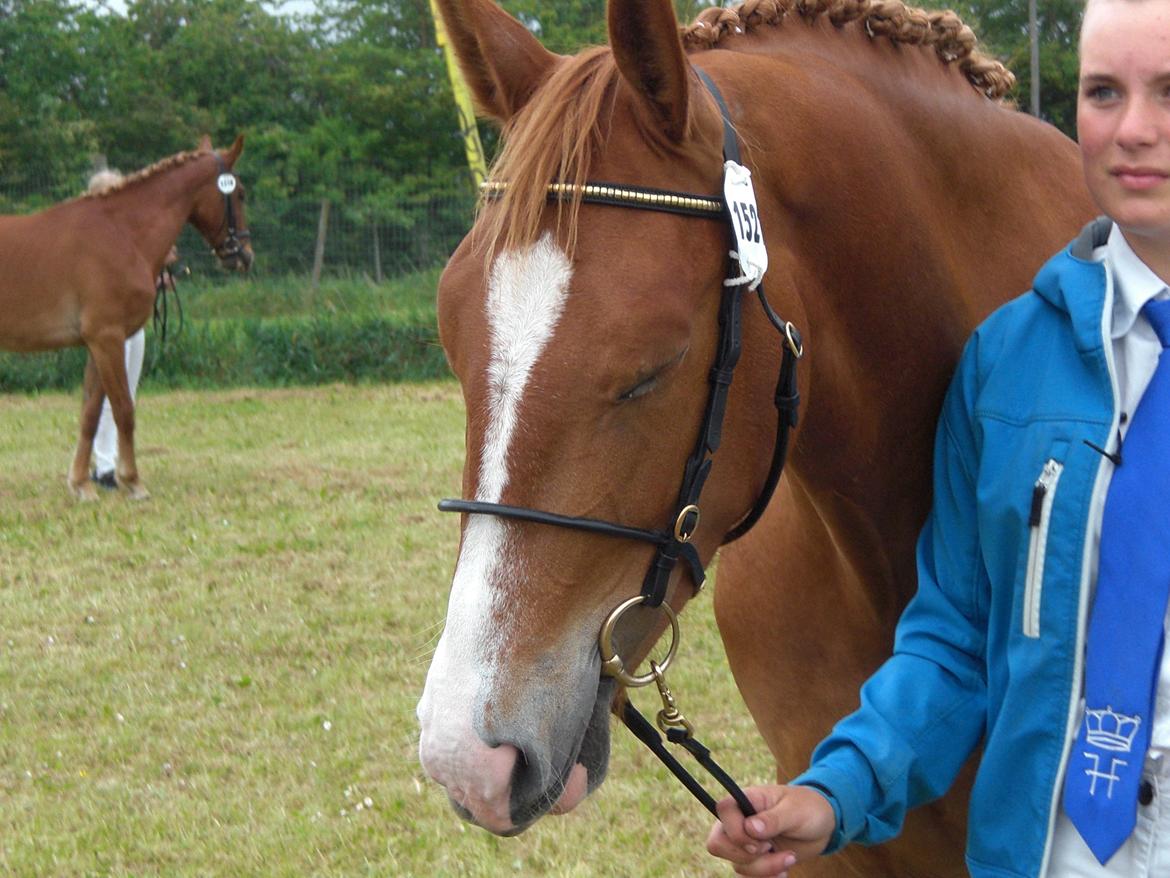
989,651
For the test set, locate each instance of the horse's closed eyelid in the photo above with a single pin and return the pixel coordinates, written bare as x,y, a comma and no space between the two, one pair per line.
645,384
640,389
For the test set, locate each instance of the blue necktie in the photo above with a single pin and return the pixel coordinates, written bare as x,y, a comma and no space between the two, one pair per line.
1126,622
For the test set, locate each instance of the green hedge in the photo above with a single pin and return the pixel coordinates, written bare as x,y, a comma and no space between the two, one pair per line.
278,351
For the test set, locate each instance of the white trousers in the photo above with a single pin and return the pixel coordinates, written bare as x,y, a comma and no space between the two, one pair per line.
1145,854
105,441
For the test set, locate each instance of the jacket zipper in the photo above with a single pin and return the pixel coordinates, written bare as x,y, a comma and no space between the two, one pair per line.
1043,495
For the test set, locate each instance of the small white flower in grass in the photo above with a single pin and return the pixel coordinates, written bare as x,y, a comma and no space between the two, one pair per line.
342,812
327,725
368,802
183,665
28,774
120,718
360,807
89,620
50,640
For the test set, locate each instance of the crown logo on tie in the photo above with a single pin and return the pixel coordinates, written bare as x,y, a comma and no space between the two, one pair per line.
1110,730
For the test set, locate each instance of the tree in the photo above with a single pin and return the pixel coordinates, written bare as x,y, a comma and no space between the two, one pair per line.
1002,28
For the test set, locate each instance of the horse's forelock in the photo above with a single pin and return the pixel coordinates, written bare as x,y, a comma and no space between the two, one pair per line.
552,138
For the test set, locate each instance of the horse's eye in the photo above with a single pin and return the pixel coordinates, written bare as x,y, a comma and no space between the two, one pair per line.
241,194
639,389
645,384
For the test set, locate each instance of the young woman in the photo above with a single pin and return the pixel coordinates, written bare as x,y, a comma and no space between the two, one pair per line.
1029,635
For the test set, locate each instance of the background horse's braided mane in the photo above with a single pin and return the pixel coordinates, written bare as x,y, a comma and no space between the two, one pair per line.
954,42
107,187
555,135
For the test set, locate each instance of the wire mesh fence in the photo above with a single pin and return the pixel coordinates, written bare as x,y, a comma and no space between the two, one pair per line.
358,233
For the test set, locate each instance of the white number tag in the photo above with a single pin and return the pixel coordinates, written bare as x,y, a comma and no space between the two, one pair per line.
226,183
740,196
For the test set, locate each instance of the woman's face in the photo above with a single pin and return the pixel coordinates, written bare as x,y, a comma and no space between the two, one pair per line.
1123,116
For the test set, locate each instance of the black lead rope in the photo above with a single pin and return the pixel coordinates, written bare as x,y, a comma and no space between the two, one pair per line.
645,732
161,318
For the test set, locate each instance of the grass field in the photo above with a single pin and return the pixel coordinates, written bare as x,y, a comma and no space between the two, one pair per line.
222,680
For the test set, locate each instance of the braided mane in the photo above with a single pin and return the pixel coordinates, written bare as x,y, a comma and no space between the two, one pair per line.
944,31
161,165
555,135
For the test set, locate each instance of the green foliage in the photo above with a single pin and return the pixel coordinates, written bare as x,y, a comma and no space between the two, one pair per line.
1002,28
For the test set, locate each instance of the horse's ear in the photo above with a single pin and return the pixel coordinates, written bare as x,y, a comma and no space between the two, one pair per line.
205,143
649,54
502,62
233,153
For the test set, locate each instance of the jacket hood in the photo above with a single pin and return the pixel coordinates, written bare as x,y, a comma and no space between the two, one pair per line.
1075,283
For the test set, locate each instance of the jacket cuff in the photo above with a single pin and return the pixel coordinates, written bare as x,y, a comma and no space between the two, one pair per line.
838,785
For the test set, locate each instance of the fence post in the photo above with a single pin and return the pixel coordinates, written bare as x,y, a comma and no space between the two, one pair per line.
377,255
319,252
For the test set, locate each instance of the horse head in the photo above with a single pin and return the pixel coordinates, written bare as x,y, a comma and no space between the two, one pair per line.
218,210
583,335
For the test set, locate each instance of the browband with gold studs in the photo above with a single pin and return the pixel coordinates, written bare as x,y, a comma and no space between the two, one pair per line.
623,196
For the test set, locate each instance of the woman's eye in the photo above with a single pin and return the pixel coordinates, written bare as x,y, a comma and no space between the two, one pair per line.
1100,94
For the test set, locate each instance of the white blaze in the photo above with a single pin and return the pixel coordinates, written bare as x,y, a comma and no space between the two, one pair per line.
526,295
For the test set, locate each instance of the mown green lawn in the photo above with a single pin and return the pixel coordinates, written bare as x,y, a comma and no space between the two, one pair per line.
222,680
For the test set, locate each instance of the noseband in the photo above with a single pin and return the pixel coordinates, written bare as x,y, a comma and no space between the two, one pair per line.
231,248
674,542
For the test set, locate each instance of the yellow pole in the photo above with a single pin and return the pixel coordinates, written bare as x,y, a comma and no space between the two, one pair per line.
471,145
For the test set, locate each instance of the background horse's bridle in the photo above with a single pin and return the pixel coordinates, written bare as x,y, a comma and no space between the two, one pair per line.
675,542
232,246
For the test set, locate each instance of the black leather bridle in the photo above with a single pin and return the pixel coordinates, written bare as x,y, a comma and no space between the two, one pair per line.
675,542
231,248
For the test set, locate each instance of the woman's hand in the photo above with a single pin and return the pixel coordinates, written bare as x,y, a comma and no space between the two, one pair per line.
791,824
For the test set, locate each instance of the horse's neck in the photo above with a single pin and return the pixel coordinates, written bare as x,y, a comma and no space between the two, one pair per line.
154,209
900,225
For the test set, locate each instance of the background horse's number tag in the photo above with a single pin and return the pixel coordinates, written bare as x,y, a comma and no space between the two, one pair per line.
740,196
226,183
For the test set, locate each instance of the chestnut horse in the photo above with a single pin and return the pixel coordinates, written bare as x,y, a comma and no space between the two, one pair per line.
901,201
83,273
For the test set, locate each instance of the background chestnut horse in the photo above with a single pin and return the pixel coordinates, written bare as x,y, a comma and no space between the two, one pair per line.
901,202
83,272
